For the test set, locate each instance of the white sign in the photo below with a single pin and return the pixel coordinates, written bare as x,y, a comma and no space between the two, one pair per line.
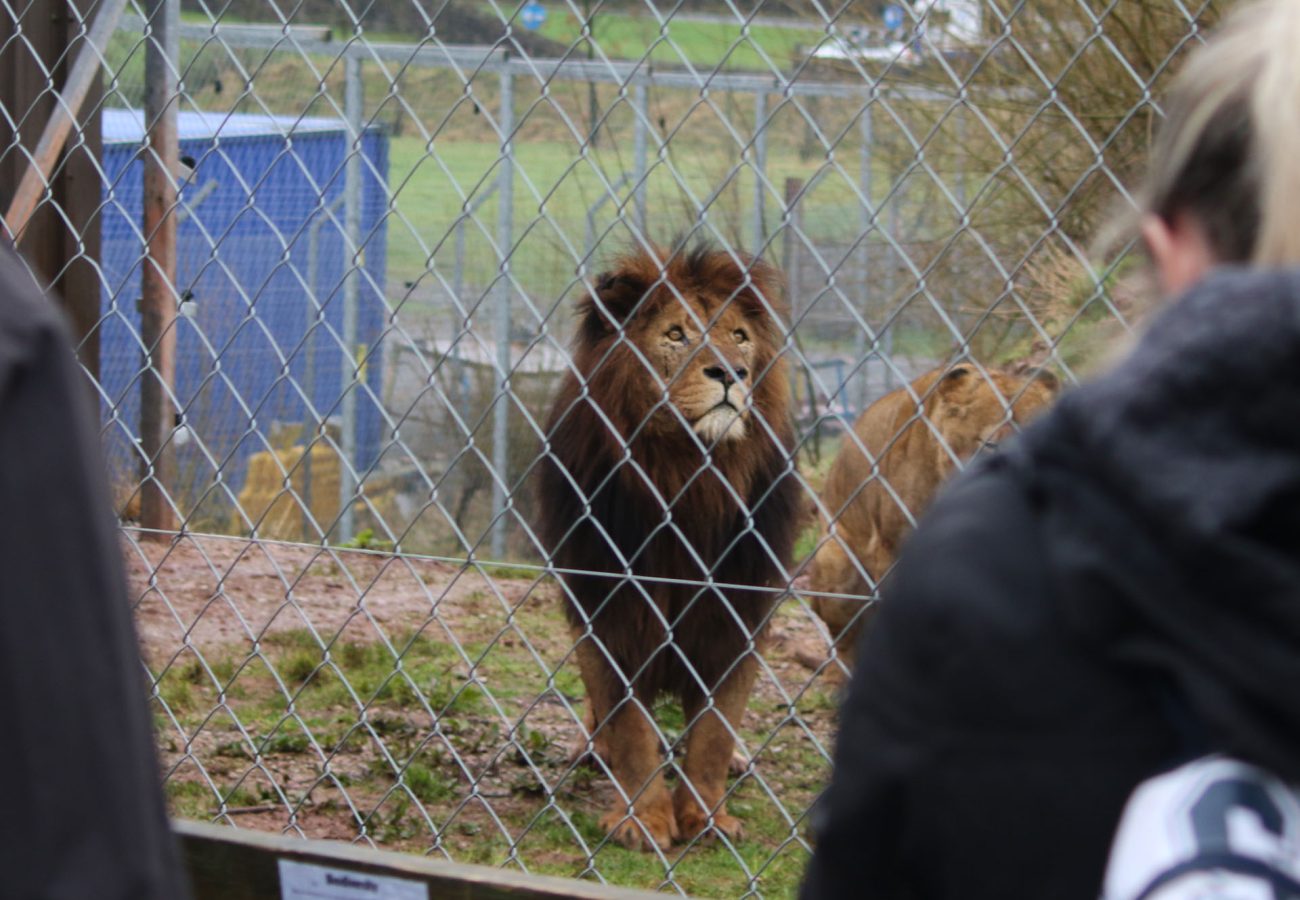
303,881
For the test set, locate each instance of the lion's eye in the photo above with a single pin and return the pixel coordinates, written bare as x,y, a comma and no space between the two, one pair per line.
740,336
676,334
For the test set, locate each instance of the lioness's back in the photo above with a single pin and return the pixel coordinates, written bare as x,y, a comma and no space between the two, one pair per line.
889,468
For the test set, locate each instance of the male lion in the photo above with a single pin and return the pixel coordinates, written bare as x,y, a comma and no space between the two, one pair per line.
873,508
665,467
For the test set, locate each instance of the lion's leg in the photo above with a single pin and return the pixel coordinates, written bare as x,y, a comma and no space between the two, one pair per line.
835,571
625,735
709,746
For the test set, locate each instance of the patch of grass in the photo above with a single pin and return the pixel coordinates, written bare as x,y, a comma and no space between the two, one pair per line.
188,799
427,785
394,822
223,668
244,796
670,718
192,671
236,748
366,539
805,543
177,693
298,666
292,639
287,742
511,573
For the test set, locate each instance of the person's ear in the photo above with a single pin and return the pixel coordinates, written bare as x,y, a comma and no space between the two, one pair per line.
1178,248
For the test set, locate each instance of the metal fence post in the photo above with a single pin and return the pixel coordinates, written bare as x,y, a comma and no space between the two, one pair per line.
311,415
641,97
760,170
589,235
866,216
158,296
895,275
962,136
353,102
505,239
789,246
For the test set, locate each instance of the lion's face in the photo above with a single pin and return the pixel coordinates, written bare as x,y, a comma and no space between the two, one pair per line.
687,348
707,366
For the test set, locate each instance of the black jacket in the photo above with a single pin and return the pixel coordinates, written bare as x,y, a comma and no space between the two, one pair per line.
1118,592
81,811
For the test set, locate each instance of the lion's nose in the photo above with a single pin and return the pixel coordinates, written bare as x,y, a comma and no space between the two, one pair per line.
727,376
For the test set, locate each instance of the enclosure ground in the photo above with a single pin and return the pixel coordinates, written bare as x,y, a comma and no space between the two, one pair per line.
432,708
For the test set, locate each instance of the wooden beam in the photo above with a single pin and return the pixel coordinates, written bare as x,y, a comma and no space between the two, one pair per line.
158,291
39,44
68,106
227,863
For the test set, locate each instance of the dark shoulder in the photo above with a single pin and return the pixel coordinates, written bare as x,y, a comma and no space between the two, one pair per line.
30,323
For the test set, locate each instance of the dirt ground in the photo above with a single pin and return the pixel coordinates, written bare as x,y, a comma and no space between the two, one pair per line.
261,727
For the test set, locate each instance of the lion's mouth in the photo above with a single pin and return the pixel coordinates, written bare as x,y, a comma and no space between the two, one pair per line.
722,421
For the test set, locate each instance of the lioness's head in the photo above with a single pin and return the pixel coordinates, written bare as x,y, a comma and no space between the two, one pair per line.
976,410
686,340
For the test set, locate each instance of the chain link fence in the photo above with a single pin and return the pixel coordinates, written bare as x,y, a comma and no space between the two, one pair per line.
334,251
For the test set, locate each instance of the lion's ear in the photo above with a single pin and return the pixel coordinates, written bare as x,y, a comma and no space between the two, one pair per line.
956,377
615,296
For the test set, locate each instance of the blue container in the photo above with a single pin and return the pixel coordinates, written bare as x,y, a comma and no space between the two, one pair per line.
264,334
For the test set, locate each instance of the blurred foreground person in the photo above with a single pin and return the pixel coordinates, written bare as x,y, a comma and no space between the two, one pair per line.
1118,592
81,813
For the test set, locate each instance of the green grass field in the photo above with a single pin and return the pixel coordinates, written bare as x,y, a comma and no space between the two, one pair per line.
679,42
554,190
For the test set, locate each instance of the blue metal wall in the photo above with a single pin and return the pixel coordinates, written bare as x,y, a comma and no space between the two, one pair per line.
258,346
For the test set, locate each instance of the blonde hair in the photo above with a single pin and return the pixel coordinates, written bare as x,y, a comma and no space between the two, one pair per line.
1229,150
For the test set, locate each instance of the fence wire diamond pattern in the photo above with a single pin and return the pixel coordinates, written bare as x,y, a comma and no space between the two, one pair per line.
325,430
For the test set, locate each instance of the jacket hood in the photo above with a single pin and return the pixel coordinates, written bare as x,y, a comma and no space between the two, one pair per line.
1172,490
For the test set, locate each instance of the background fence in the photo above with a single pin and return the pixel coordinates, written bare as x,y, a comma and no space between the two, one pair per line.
321,257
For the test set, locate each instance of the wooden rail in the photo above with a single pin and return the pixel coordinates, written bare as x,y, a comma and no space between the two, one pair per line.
64,115
226,863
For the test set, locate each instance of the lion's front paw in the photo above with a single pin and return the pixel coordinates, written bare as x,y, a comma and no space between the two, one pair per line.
642,831
693,821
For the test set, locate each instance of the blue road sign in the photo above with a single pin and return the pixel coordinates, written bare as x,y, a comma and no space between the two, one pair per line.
893,17
532,15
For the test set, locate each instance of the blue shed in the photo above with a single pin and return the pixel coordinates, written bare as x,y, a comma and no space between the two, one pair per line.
261,259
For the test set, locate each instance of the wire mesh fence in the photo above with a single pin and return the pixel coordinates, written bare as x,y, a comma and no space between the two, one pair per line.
384,492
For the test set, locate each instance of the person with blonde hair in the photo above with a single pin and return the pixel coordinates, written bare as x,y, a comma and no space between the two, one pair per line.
1113,601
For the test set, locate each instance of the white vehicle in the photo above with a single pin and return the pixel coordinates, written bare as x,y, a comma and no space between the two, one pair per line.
908,31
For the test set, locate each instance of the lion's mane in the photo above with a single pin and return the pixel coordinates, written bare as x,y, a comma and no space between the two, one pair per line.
626,488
